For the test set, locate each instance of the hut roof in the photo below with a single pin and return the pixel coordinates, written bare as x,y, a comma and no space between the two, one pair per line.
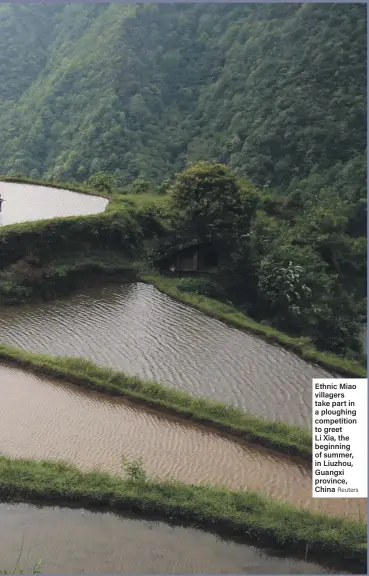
179,247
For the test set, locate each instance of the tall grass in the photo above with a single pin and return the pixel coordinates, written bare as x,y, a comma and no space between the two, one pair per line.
244,514
16,570
281,437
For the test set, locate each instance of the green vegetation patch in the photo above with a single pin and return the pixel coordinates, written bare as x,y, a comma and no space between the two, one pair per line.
44,258
126,221
281,437
44,239
231,316
26,281
244,514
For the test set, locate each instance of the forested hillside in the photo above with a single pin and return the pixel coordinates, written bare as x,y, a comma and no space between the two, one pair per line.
277,92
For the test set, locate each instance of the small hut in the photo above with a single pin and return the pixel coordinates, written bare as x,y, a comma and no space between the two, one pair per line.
193,257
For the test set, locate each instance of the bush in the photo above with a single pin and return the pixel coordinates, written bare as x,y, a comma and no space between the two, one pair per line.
113,230
201,286
134,469
142,187
102,182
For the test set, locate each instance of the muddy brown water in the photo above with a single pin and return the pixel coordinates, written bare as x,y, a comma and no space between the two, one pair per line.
87,542
41,419
135,328
25,202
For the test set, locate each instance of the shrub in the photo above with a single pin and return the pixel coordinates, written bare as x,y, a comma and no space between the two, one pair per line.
134,469
201,286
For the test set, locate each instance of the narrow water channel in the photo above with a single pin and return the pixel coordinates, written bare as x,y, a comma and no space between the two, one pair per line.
135,328
70,541
25,202
41,419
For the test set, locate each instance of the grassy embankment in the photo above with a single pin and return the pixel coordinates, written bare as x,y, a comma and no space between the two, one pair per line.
41,259
280,437
231,316
66,272
244,514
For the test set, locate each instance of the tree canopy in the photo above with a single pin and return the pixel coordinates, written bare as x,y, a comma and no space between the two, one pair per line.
275,91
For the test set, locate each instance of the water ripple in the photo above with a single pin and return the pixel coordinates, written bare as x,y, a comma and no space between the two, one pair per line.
40,419
135,328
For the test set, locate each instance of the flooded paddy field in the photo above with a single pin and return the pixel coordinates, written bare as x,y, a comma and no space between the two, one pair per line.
40,418
75,541
25,202
137,329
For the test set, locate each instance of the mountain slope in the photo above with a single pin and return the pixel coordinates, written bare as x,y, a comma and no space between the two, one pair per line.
278,92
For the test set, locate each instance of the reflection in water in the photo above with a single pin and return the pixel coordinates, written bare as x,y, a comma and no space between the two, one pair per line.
78,541
137,329
25,202
41,419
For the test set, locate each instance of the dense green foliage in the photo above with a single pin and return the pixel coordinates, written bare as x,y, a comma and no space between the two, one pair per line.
244,514
291,263
39,239
277,92
209,203
45,258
